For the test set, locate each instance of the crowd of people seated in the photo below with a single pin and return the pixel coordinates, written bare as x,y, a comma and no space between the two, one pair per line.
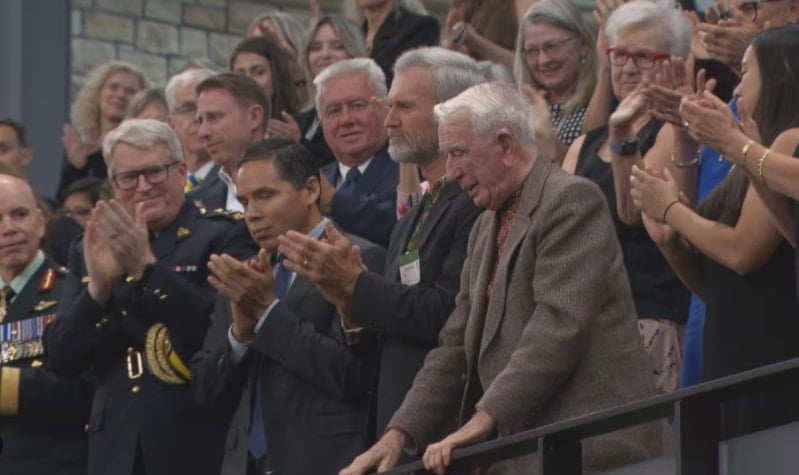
376,238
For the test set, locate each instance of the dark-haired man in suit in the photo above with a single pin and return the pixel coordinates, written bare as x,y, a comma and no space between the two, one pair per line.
41,415
277,351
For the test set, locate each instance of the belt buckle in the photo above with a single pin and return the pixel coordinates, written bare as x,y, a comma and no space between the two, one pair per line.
134,364
262,466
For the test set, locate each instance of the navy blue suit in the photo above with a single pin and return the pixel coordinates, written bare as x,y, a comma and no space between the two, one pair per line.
212,192
369,210
135,416
45,436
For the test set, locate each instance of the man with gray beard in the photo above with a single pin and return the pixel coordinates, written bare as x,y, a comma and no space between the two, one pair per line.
411,301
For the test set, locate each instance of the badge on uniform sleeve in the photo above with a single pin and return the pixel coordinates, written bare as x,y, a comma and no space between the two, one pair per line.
44,305
410,271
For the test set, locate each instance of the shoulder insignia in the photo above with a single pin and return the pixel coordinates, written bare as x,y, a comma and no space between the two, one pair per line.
203,211
48,281
44,305
183,232
225,213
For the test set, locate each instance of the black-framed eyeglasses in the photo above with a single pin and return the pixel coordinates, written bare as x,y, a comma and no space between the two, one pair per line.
550,48
750,9
642,59
154,175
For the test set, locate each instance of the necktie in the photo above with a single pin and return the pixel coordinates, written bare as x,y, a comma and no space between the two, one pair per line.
257,442
351,179
6,294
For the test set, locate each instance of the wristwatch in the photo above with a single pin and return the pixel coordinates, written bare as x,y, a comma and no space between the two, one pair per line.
626,148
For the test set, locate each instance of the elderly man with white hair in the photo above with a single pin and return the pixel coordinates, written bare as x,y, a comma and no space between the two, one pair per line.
136,306
360,189
544,326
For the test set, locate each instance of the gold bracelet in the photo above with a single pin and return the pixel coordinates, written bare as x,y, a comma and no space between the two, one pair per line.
760,163
745,150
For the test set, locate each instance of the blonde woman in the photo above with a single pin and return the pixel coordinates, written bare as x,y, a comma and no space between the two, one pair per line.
100,106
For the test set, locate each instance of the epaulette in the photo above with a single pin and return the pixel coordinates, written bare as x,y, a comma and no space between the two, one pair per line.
61,270
221,213
47,282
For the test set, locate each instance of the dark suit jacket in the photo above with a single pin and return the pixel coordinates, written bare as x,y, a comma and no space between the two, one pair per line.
314,386
212,192
558,337
409,317
400,32
317,144
46,435
143,413
370,209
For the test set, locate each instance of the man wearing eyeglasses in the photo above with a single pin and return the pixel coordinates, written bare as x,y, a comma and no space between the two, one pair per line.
181,99
727,39
136,307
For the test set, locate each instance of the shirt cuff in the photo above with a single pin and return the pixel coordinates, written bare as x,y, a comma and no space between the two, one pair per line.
239,348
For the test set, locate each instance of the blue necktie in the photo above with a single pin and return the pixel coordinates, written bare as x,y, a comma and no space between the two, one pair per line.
257,443
351,179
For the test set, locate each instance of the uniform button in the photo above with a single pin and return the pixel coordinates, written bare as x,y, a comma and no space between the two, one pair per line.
85,427
135,389
463,377
124,313
98,325
131,350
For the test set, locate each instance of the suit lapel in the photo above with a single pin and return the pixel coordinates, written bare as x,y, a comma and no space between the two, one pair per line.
482,257
371,177
520,226
439,209
297,291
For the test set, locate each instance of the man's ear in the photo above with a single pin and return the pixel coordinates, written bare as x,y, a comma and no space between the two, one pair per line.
312,190
27,156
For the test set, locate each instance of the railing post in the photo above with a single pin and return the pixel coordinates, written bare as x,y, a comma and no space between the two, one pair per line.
697,422
560,454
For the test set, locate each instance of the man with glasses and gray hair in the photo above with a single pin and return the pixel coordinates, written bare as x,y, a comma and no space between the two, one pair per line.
181,100
136,307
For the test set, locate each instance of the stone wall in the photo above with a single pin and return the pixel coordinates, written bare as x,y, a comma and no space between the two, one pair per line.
161,36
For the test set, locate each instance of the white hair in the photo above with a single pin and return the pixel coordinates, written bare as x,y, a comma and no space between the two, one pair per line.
367,66
451,73
491,106
190,76
668,21
142,133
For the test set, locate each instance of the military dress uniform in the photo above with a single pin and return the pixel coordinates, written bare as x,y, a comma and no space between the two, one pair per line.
42,416
143,417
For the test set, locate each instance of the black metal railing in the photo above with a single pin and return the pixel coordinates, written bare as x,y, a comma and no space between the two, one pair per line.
695,412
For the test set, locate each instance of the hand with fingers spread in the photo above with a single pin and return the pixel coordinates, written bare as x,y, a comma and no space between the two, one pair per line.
286,128
128,236
666,94
727,41
74,148
381,456
248,285
101,265
654,193
632,107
